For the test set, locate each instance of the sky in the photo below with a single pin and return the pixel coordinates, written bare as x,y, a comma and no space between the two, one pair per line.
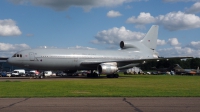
99,24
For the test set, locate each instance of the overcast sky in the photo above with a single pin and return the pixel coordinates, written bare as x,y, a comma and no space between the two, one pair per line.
99,24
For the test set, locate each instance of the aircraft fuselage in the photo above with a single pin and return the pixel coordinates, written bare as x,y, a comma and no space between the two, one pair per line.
67,59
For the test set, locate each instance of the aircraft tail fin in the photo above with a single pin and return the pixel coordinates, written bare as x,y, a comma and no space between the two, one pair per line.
198,70
177,66
150,39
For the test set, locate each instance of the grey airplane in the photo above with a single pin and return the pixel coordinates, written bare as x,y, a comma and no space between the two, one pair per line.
179,70
107,62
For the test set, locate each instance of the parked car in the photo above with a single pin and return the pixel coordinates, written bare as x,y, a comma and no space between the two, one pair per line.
154,73
61,73
3,74
81,73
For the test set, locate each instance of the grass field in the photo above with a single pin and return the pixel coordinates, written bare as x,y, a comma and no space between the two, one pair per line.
124,86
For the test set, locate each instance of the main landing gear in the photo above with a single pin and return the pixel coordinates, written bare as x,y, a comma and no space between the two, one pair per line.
113,76
92,74
95,75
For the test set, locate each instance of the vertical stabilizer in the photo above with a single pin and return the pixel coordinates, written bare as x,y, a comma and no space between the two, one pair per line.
198,70
177,66
150,39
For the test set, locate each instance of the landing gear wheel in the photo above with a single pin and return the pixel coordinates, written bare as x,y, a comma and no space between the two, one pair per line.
96,75
88,75
92,75
110,76
113,76
41,77
116,75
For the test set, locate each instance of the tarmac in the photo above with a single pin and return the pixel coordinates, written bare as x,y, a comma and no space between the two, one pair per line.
143,104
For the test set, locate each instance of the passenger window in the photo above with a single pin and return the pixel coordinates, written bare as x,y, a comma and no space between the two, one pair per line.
17,55
20,55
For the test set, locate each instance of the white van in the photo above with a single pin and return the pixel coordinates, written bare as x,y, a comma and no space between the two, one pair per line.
18,72
48,73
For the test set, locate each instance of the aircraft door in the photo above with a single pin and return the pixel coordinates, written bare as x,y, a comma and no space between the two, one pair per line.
76,62
31,56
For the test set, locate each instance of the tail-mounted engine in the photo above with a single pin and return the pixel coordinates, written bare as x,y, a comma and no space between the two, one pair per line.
126,45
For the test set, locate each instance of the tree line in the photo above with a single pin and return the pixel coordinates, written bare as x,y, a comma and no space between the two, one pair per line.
185,64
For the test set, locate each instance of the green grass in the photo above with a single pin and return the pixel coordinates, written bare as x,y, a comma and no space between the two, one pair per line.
124,86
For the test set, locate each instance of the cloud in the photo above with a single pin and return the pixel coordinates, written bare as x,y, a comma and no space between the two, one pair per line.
61,5
113,14
7,50
194,9
143,18
194,45
192,49
173,42
13,47
172,21
161,42
8,28
115,35
178,21
180,0
178,51
44,47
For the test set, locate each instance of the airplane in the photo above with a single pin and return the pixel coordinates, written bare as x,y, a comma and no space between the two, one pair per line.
179,70
107,62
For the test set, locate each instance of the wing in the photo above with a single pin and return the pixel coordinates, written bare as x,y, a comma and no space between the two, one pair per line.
125,64
3,59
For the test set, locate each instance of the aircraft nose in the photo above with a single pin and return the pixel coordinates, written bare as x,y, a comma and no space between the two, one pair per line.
14,62
10,61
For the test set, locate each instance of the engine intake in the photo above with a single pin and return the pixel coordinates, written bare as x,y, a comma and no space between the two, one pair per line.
125,45
107,69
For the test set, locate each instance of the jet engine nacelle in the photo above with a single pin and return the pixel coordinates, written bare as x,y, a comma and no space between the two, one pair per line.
107,69
125,45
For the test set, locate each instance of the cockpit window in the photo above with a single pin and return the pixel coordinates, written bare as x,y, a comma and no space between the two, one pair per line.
17,55
14,55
